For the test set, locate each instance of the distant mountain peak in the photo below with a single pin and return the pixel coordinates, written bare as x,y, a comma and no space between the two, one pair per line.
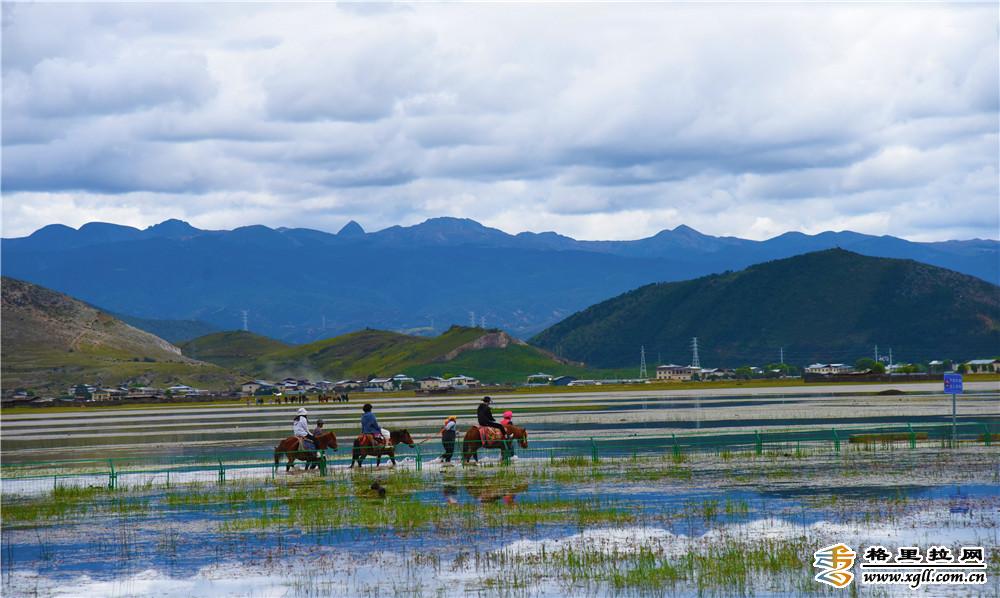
351,229
173,228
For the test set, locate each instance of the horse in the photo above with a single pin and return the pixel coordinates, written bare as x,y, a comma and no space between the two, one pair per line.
290,448
473,441
363,447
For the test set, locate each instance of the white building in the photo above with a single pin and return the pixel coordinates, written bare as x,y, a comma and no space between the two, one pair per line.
675,372
829,368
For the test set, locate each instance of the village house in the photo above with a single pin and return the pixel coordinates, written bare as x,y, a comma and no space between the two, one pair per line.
461,382
251,388
433,383
983,366
108,394
829,368
539,379
675,372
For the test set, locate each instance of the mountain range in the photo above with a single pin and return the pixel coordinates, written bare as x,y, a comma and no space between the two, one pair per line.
831,305
299,285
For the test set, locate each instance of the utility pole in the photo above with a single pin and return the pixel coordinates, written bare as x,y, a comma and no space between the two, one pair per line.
876,353
642,363
782,356
890,360
694,353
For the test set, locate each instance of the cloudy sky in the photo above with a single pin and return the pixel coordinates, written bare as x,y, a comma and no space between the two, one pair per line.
596,121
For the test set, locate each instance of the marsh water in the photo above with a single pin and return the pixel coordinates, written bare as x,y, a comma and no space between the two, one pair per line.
548,524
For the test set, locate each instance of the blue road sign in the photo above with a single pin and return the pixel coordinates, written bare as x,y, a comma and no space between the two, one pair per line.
953,384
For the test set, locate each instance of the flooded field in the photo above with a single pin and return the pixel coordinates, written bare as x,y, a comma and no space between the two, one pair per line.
728,521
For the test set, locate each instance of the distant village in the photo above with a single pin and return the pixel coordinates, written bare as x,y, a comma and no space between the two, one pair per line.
289,388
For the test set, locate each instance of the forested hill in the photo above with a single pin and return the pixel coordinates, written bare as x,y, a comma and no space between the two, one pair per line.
831,305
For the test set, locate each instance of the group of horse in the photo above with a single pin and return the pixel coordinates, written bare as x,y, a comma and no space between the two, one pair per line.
365,445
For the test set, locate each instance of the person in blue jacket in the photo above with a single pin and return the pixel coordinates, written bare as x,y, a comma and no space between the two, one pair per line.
369,425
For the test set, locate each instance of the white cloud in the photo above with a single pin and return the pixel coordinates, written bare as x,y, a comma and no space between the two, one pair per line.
596,121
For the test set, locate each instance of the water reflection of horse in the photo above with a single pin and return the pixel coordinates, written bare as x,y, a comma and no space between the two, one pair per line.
496,492
473,442
364,446
289,447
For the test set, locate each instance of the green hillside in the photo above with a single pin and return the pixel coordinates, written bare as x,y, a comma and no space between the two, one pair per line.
830,305
490,355
234,349
51,340
363,353
510,365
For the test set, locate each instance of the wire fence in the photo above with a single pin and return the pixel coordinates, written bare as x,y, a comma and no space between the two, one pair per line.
166,471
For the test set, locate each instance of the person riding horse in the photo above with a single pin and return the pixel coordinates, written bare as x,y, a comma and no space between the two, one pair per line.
485,417
300,426
370,425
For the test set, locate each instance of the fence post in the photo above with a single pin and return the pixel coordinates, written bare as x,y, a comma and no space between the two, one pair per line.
677,448
836,441
986,435
420,459
322,464
222,472
593,451
552,457
758,443
913,436
112,475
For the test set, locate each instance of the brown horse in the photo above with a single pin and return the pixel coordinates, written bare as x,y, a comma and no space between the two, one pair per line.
363,447
290,448
473,442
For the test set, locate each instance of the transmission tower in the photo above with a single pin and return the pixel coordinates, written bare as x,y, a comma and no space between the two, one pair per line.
694,353
472,319
246,314
782,356
642,363
482,322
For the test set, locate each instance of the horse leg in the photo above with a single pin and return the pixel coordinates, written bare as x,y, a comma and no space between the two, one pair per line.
291,459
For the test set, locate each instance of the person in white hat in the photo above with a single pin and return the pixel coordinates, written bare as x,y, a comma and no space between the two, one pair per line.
300,425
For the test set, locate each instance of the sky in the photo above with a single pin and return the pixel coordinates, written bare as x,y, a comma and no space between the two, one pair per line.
598,121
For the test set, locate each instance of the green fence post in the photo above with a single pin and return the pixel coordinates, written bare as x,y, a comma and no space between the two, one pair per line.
112,476
758,443
913,436
222,472
677,448
986,435
593,451
552,457
322,464
420,459
836,441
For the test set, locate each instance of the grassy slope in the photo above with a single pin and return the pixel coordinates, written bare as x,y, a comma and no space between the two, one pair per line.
235,349
510,365
378,352
362,353
51,340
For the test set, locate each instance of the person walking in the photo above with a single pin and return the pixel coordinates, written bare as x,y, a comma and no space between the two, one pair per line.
448,434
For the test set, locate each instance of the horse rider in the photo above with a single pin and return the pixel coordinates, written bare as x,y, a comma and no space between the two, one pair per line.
485,417
318,429
300,426
369,425
507,419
